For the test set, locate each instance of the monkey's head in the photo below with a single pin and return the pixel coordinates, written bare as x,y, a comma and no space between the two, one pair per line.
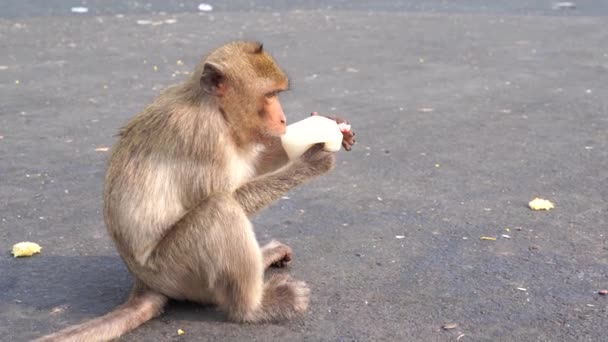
245,82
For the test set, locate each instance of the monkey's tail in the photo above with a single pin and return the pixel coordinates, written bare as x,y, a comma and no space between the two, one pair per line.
139,308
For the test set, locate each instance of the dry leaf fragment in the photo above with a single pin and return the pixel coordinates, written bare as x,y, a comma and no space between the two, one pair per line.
487,238
449,326
25,249
541,204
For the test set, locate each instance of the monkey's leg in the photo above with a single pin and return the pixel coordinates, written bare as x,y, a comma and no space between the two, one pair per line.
276,254
216,241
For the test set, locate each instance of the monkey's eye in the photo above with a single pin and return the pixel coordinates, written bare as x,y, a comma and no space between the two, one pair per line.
272,94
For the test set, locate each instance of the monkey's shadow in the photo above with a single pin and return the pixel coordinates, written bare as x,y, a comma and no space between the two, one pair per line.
84,286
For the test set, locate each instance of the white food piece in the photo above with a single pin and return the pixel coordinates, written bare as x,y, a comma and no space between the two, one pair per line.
344,127
302,135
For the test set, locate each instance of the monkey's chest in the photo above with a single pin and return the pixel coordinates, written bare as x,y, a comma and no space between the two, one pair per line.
241,168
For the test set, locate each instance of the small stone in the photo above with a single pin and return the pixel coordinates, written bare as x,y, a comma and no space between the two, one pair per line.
205,7
565,5
80,10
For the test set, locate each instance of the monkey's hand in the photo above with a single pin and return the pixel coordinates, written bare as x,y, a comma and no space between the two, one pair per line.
316,161
348,136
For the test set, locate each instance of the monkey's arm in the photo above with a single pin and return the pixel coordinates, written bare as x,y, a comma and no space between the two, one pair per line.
265,189
273,158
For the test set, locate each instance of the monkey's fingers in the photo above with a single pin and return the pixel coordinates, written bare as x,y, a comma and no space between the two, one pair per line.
348,136
284,262
348,140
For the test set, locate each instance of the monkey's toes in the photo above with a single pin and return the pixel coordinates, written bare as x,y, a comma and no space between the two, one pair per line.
277,254
285,256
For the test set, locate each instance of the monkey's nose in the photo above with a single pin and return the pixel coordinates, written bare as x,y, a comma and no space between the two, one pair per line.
283,121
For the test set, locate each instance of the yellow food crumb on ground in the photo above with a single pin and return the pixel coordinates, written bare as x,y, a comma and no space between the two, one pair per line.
25,249
541,204
179,62
180,332
487,238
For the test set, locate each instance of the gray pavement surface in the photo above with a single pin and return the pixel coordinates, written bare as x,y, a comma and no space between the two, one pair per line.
463,115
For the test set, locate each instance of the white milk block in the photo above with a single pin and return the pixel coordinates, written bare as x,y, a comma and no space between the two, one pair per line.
302,135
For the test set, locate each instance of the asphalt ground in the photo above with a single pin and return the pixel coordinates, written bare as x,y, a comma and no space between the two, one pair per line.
462,117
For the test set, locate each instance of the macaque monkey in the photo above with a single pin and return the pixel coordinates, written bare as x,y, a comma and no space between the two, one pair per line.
184,178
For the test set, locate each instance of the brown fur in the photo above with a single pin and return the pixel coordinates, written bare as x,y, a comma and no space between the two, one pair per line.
182,181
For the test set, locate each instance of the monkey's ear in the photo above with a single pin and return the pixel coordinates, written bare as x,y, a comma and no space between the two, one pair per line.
213,80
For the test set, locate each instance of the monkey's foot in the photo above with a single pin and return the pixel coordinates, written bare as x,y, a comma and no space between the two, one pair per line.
288,297
276,254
